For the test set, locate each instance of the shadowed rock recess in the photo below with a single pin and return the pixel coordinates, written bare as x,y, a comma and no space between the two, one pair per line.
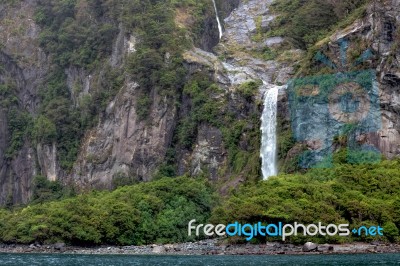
94,99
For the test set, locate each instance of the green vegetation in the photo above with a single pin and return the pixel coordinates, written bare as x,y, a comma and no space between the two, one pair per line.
19,125
44,130
158,212
19,121
286,146
208,104
80,35
306,22
203,108
73,38
249,88
309,24
242,139
45,190
365,194
146,213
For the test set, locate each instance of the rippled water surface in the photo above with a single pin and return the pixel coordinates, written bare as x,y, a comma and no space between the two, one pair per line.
87,260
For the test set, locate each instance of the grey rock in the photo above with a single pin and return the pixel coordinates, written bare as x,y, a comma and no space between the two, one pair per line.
310,246
123,145
169,247
325,248
47,158
159,249
59,246
273,41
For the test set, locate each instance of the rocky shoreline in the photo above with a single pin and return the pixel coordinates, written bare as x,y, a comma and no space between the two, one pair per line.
209,247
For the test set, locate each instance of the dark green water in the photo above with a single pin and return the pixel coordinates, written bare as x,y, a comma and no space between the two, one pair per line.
116,260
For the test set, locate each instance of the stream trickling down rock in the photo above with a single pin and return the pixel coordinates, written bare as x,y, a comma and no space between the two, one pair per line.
239,27
242,67
218,21
268,129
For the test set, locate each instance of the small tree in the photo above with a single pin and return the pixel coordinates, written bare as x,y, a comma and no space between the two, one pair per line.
44,130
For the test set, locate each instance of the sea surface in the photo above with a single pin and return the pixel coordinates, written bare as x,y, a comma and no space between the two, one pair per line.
87,260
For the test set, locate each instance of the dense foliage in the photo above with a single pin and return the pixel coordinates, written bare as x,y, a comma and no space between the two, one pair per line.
158,212
306,22
365,194
155,212
209,104
78,35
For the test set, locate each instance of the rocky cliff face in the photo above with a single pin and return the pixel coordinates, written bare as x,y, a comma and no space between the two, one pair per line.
383,34
124,145
369,44
242,62
223,146
24,65
121,145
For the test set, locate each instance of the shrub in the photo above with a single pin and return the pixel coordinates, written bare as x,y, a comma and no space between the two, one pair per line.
355,194
156,212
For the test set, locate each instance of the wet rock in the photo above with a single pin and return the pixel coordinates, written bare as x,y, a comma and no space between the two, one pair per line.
123,142
169,247
47,159
159,250
325,248
273,41
309,246
242,21
59,246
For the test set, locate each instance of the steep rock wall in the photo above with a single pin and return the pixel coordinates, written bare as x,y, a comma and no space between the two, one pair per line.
122,146
377,33
24,65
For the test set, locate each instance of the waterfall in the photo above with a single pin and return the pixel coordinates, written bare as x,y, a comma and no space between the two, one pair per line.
268,129
218,21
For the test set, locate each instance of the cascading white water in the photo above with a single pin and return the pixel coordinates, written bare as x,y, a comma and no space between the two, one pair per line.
268,129
218,21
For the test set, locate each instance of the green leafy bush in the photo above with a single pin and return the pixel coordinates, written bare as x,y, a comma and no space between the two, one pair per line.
366,194
249,89
45,190
156,212
44,130
19,125
306,22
